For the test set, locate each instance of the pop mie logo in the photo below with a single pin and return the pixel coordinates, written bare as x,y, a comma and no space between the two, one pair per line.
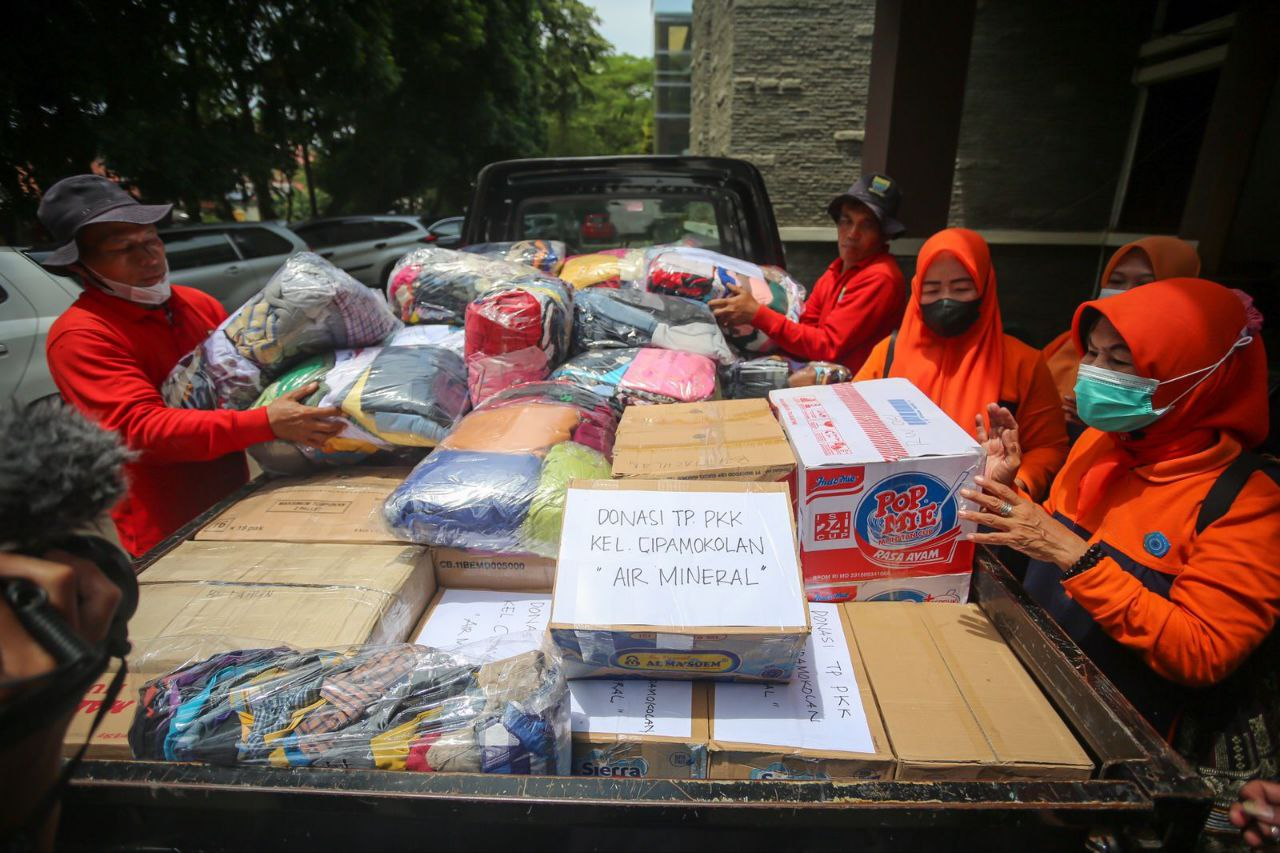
905,510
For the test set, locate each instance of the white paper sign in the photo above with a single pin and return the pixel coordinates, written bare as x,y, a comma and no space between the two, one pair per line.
468,615
678,559
821,708
632,707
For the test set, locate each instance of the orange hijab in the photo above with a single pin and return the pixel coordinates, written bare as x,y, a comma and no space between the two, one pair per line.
1172,328
965,373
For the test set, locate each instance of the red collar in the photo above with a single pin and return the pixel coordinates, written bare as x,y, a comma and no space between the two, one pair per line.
837,266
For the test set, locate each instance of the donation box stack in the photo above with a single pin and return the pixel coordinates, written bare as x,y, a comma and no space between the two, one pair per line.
877,492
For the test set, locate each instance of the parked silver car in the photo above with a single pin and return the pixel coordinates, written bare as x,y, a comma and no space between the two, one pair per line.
230,261
31,298
367,247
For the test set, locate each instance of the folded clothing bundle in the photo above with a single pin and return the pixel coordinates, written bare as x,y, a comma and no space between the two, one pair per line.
611,268
308,307
545,255
775,290
698,273
434,285
634,318
497,483
396,707
643,375
517,333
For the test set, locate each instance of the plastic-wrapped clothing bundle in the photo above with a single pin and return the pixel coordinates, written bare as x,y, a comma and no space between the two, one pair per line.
597,370
545,255
612,268
409,396
643,375
756,378
632,318
820,373
450,337
308,307
397,707
699,274
494,483
777,291
435,285
513,319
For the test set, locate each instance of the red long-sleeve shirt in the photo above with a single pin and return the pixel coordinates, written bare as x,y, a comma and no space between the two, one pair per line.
846,314
109,357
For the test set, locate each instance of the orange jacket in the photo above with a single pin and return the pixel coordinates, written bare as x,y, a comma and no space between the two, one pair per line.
1028,391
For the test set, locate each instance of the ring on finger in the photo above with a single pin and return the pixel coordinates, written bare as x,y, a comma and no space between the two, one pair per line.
1005,510
1275,833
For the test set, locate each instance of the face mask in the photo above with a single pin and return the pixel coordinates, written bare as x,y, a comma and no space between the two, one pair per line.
950,317
1118,402
1108,292
156,294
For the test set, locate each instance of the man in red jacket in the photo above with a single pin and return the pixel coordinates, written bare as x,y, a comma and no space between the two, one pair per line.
112,349
857,302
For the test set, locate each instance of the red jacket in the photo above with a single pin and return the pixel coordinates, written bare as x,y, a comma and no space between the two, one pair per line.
109,357
846,315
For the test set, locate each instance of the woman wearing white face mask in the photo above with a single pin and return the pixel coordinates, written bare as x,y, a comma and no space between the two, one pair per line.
1132,265
1165,587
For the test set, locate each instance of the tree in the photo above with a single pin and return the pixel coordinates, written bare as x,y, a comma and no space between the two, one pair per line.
616,114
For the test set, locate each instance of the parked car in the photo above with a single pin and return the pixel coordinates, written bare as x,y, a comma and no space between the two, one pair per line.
31,298
367,247
230,261
447,232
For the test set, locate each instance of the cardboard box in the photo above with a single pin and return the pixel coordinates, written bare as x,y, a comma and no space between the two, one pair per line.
342,506
207,597
462,617
721,440
111,740
640,729
825,724
679,579
879,470
956,702
463,569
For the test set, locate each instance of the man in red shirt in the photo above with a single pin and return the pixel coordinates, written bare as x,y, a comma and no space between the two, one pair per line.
857,302
111,350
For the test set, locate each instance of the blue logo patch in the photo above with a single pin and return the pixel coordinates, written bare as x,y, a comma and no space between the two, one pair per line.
1157,544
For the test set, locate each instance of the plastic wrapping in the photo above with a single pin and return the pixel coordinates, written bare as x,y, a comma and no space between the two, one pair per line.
820,373
611,269
435,285
391,707
755,378
308,307
497,482
545,255
409,396
643,375
699,274
778,291
504,324
631,318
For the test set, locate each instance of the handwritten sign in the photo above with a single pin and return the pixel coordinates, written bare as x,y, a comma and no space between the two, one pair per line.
678,559
632,707
821,709
465,616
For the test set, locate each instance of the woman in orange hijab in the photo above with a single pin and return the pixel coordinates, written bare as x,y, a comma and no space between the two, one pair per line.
1137,263
1161,587
952,346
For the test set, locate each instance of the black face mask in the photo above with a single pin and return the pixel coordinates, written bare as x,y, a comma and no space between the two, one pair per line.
950,317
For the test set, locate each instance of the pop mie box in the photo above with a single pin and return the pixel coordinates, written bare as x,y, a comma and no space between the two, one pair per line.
877,504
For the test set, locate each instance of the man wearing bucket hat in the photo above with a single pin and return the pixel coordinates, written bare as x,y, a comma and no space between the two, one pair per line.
858,301
112,349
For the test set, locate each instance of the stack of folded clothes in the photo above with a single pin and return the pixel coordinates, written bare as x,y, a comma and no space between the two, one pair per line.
516,333
398,707
634,376
497,483
546,255
435,285
634,318
612,268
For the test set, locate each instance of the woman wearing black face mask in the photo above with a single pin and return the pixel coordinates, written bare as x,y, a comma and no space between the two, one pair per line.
952,346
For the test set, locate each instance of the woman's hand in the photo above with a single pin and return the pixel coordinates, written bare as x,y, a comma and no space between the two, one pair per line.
998,434
1022,525
1257,814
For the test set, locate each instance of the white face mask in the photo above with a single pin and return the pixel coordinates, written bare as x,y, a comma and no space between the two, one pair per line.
156,294
1107,292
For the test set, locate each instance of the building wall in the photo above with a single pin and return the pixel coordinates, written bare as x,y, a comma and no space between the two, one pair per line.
783,84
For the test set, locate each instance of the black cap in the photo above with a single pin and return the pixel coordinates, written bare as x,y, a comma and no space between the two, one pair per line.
75,202
878,192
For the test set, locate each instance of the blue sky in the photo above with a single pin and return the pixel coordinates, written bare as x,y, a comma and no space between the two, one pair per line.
628,24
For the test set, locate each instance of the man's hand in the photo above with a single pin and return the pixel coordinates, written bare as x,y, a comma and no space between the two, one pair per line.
739,309
292,421
1258,814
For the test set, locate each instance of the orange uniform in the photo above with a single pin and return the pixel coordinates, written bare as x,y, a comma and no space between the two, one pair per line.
962,374
1169,257
1169,607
